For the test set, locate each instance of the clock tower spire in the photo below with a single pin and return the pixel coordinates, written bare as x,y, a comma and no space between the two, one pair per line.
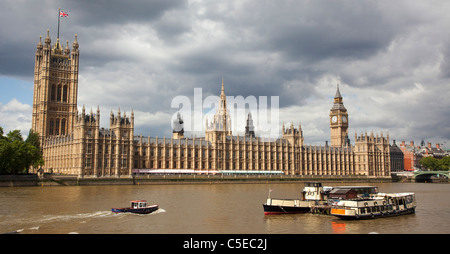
339,122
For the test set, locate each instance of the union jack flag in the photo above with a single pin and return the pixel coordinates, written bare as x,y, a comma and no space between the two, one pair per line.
63,14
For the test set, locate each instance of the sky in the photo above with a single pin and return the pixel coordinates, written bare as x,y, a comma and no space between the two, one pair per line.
391,60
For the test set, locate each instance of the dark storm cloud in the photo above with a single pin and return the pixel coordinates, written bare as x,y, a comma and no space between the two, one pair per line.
318,30
23,22
302,34
19,64
391,58
87,13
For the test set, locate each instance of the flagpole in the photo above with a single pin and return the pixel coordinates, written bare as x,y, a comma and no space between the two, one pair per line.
59,15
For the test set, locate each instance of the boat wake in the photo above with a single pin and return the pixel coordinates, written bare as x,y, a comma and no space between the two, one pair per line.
81,217
66,217
18,231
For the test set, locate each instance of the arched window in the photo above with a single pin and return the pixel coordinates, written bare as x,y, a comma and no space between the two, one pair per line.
65,93
53,93
50,131
63,126
57,127
58,98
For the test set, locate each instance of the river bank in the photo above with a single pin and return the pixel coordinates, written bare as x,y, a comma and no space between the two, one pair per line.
73,180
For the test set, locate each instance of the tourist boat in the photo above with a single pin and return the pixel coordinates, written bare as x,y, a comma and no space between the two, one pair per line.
375,206
137,206
316,198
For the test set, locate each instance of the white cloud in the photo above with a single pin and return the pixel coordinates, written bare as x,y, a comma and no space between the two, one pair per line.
16,116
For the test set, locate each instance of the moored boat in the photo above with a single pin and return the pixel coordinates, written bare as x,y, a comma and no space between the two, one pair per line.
379,205
313,194
316,198
137,206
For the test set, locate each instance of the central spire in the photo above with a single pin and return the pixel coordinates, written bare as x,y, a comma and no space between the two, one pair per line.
222,93
221,121
223,99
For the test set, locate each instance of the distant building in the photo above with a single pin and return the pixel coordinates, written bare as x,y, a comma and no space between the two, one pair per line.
436,151
397,158
413,154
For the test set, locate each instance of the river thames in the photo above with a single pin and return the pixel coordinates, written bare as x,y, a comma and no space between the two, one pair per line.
204,209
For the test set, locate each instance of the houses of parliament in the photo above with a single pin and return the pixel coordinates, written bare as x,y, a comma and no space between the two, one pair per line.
74,143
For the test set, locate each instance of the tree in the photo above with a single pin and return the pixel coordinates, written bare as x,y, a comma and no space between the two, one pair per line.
17,155
430,163
445,163
36,154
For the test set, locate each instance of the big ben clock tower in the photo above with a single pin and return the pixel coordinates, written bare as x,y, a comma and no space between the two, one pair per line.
339,122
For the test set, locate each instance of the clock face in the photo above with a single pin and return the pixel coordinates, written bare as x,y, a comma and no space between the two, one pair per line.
334,119
344,119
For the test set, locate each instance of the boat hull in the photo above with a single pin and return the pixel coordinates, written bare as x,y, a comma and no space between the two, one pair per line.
374,215
277,209
142,210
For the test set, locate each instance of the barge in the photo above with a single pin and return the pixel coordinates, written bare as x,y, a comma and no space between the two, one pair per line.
316,198
313,194
379,205
137,206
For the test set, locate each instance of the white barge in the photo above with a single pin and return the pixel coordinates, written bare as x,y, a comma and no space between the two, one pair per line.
375,206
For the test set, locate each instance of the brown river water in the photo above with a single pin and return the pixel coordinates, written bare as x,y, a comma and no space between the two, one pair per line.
204,209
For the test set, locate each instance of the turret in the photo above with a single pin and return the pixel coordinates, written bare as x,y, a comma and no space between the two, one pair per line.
293,135
249,128
178,128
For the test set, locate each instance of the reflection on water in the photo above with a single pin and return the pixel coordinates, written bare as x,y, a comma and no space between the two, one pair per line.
338,227
202,209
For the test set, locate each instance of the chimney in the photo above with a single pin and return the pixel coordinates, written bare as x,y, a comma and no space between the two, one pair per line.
429,144
411,143
438,146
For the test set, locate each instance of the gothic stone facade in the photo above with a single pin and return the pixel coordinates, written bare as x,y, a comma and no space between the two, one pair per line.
74,143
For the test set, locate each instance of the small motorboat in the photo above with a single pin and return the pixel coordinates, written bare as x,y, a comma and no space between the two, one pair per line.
137,206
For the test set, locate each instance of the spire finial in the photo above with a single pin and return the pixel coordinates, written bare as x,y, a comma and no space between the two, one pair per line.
75,43
47,38
338,93
39,45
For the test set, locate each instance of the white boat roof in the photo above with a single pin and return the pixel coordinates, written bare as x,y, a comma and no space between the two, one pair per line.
401,194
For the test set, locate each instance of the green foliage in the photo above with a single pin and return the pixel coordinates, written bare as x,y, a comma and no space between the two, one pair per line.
445,163
434,164
36,155
17,155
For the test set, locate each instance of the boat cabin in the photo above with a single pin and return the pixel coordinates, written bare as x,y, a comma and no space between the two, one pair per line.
138,204
351,192
342,193
313,191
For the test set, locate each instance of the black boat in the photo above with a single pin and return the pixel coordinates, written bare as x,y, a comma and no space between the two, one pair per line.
284,209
